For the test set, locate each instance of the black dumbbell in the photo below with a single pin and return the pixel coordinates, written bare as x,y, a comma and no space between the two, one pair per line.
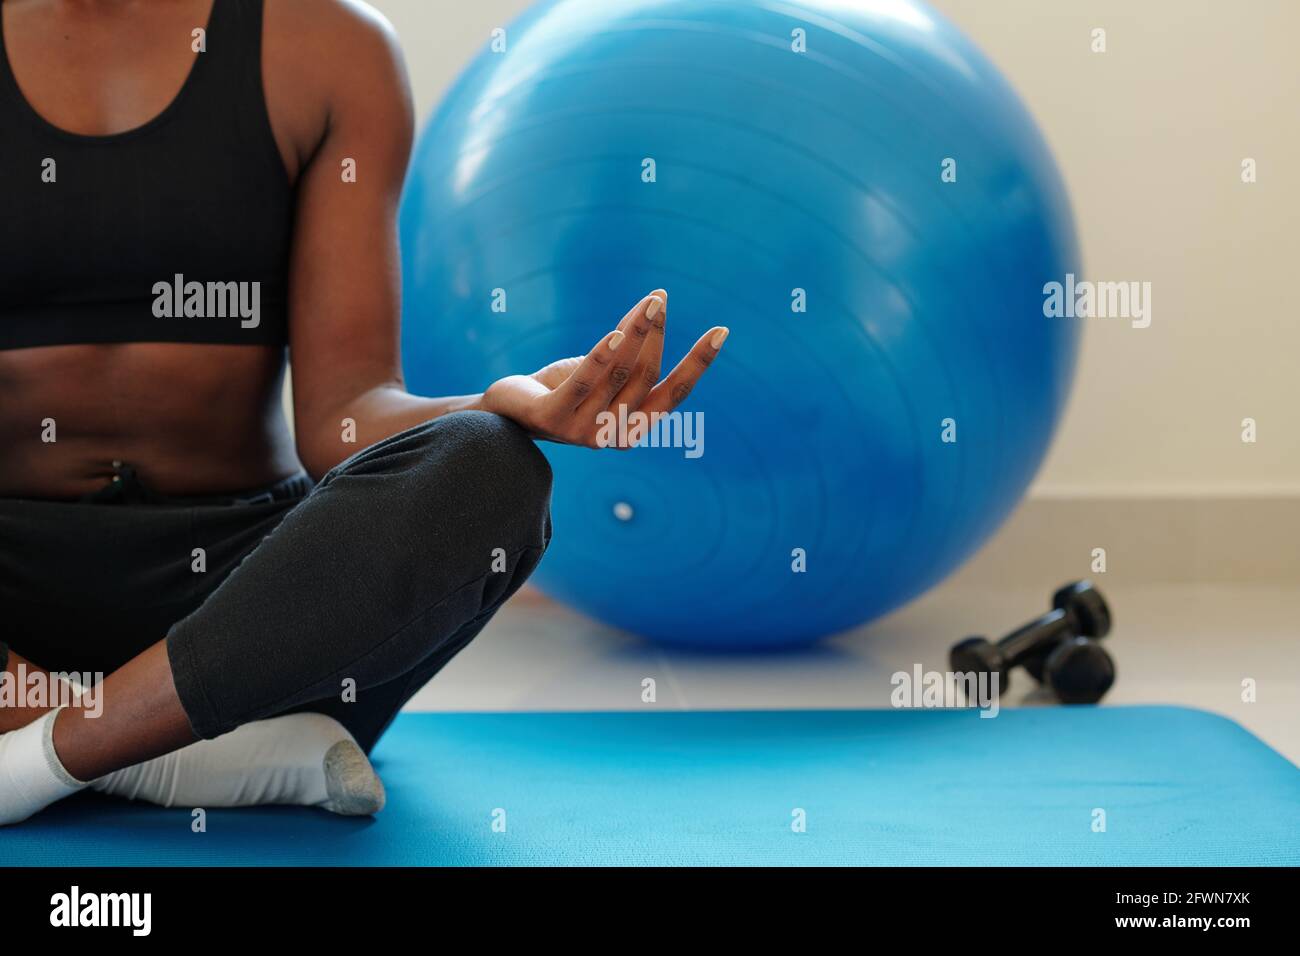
1085,614
1081,673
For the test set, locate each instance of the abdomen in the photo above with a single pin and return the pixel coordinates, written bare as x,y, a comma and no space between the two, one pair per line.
191,419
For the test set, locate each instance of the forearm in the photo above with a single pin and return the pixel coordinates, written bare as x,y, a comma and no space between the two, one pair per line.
326,439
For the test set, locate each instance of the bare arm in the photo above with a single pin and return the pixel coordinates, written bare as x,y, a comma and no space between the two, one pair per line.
346,276
345,269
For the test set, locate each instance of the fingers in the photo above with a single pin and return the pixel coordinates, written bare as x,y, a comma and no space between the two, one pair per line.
636,327
621,370
645,374
672,391
607,367
591,371
555,374
641,307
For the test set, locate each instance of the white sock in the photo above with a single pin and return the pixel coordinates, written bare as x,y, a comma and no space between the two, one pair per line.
308,760
31,774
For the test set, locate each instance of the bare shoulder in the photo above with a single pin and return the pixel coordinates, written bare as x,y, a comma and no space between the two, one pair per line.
339,36
332,62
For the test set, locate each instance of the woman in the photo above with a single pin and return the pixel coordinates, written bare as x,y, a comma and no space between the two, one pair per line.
176,213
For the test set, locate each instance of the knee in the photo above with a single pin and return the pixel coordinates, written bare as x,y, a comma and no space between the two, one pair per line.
488,469
460,482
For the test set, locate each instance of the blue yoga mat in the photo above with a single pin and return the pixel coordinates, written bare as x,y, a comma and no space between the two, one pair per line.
1176,786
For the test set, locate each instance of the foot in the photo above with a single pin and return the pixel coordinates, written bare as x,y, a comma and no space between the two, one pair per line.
301,759
31,775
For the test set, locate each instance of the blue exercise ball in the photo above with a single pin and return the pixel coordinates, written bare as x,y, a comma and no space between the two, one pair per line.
854,190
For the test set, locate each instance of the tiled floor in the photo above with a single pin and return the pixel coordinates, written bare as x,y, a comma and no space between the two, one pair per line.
1173,644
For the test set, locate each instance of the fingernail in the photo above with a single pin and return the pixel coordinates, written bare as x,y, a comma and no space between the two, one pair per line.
653,308
719,337
615,340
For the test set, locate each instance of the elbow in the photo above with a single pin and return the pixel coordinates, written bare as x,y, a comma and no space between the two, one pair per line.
314,464
318,455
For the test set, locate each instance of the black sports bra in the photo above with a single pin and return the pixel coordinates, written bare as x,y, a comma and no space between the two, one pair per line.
175,231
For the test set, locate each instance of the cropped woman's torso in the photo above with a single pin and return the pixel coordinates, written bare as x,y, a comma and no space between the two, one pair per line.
144,251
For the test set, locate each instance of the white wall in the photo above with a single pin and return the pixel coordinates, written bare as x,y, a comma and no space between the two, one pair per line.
1150,136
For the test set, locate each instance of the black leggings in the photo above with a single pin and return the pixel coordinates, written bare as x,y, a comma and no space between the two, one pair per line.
343,600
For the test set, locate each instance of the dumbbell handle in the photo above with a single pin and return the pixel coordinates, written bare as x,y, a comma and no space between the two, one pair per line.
1039,634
